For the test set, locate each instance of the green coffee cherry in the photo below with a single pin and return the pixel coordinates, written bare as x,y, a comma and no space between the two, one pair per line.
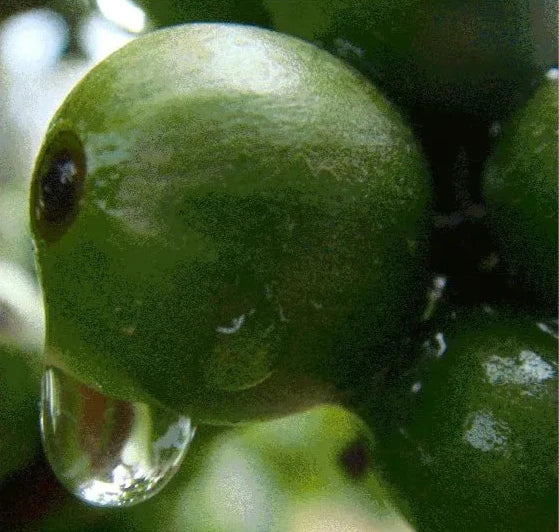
469,436
470,57
228,221
520,189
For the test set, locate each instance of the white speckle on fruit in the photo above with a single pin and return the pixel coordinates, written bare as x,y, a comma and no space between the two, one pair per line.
236,324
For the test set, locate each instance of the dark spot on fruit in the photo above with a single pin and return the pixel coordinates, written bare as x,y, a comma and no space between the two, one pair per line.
355,459
58,186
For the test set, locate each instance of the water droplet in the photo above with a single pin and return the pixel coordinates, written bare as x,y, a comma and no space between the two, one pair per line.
106,451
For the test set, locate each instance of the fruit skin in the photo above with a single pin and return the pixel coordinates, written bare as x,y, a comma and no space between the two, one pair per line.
520,190
237,180
478,58
468,437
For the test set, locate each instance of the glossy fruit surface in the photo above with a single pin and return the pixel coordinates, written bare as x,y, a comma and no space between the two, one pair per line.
460,56
520,189
228,221
469,436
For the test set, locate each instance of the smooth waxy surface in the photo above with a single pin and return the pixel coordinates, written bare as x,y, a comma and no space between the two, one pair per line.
470,57
520,188
469,436
241,223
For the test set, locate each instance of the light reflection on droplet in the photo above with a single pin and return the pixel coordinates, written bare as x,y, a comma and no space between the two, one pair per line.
106,451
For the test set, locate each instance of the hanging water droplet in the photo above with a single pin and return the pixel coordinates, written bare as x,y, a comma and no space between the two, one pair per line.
106,451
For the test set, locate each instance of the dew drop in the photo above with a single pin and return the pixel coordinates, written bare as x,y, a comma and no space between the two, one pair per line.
106,451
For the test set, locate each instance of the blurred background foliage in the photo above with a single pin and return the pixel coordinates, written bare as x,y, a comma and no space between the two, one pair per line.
307,472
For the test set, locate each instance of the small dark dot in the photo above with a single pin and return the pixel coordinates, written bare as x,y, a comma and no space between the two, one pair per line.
355,459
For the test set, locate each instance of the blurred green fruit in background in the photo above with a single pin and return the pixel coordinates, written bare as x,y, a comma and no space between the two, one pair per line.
21,335
477,58
520,189
19,407
469,436
170,12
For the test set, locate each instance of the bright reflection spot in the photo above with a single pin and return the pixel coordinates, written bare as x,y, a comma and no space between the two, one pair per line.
441,344
527,369
485,433
549,328
552,73
434,295
236,324
100,38
32,41
124,13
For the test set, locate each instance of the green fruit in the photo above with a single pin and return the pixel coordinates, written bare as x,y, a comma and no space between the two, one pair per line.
473,57
168,12
520,189
469,436
228,221
310,471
